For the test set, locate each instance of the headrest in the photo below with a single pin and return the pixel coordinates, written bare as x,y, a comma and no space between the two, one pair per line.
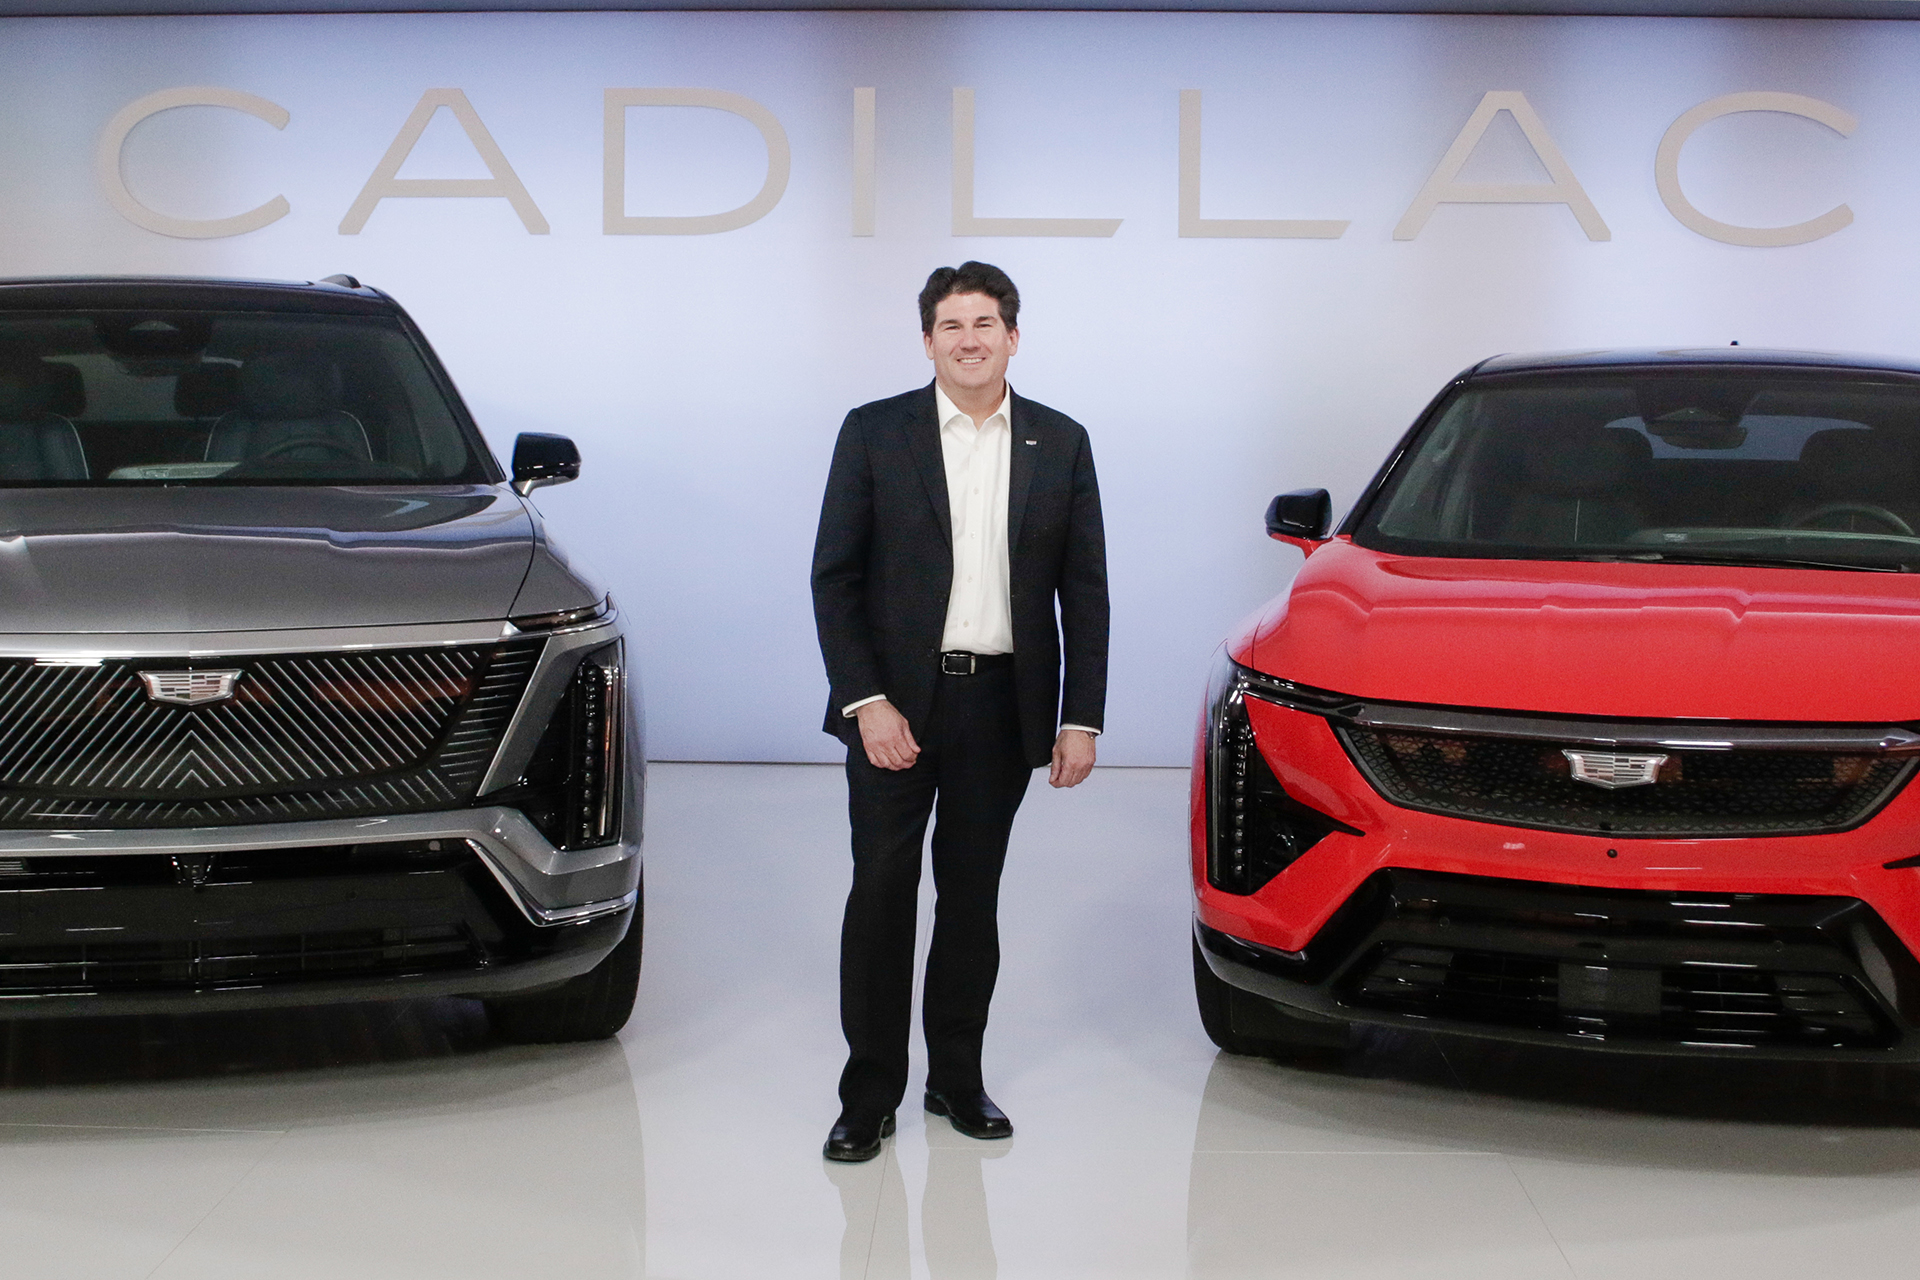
1850,463
206,390
1582,461
69,398
283,386
26,388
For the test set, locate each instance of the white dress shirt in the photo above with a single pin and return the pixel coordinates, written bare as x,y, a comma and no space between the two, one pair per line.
978,463
979,612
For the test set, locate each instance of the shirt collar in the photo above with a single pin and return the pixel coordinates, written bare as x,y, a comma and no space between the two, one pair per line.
947,411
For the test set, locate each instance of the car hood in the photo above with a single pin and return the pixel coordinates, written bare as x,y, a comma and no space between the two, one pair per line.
1627,640
257,559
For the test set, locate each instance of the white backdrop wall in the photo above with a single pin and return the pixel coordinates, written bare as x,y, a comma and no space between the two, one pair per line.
704,376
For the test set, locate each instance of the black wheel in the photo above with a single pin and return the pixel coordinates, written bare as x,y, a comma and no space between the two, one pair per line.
1242,1023
593,1006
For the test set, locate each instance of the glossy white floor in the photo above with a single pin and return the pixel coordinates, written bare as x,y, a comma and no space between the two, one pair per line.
398,1142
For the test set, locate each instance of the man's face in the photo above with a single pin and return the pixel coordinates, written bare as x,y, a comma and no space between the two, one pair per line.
969,346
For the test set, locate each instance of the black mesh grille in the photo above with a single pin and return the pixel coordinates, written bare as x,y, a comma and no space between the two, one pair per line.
1698,793
1699,1003
304,736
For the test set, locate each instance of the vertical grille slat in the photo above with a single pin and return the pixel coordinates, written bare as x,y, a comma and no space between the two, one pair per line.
305,735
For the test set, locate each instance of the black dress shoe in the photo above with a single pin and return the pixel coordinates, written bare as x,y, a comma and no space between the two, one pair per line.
972,1113
852,1141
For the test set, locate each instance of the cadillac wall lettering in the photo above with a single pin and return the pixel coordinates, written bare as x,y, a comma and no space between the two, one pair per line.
1443,186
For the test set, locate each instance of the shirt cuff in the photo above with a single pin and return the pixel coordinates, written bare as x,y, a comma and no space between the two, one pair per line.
848,710
1081,727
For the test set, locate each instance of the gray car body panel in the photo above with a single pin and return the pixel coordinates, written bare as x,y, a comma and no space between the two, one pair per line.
249,559
204,571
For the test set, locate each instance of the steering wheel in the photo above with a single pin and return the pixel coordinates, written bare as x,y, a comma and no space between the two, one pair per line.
1867,509
288,446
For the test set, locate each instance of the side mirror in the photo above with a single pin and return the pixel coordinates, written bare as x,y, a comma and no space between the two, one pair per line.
1303,515
542,459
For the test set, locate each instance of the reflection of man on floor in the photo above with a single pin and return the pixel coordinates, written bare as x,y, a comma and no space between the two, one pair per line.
955,517
956,1237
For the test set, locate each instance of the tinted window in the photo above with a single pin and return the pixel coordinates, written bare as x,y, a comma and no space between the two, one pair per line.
1683,465
115,398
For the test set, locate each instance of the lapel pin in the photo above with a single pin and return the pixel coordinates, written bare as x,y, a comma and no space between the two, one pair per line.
1033,442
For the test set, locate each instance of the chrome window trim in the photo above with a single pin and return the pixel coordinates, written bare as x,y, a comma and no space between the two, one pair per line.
1671,735
510,847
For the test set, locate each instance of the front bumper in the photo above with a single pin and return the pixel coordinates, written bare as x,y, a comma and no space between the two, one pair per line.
1862,882
465,903
548,886
1697,974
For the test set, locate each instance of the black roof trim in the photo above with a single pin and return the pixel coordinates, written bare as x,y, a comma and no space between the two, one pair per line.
141,293
1679,357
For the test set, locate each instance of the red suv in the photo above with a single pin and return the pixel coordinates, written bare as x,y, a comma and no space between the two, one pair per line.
1593,723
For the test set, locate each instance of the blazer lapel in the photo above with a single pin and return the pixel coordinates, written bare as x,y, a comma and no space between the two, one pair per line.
923,435
1027,444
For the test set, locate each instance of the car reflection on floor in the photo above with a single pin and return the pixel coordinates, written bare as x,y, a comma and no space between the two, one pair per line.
365,1140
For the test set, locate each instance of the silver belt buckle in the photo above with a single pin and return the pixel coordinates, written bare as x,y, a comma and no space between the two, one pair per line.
949,664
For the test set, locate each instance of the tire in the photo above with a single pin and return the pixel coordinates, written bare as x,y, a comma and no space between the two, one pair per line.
593,1006
1241,1023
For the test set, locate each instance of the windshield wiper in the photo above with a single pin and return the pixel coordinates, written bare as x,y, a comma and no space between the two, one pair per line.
1768,562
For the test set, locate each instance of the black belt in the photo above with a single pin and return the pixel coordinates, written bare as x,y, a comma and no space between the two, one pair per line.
958,662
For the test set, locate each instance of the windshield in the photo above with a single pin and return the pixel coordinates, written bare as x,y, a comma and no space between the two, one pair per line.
213,397
1763,466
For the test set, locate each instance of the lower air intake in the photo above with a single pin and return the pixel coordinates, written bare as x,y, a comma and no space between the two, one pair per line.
273,917
1670,968
1688,1004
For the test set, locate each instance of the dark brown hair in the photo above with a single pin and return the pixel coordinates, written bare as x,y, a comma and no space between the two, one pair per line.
970,277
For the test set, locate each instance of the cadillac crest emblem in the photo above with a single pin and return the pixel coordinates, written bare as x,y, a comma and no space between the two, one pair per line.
1602,769
189,688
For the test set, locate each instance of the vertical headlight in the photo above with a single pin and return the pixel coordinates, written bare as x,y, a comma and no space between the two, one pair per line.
1255,830
575,782
598,695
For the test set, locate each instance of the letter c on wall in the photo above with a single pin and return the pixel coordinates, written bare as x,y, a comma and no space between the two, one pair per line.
113,140
1666,169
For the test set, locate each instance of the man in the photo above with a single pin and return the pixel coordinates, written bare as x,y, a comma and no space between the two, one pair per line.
954,518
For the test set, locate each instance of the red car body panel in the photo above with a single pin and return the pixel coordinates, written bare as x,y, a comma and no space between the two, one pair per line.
1647,641
1562,637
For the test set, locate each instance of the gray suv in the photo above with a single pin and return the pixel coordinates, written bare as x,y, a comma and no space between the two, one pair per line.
298,701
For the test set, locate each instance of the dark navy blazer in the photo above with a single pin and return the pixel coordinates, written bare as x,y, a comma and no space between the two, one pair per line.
883,567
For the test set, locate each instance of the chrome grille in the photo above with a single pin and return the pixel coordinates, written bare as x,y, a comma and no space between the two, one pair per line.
291,720
304,736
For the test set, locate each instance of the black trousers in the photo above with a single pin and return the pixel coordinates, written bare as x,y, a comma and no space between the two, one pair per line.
970,778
